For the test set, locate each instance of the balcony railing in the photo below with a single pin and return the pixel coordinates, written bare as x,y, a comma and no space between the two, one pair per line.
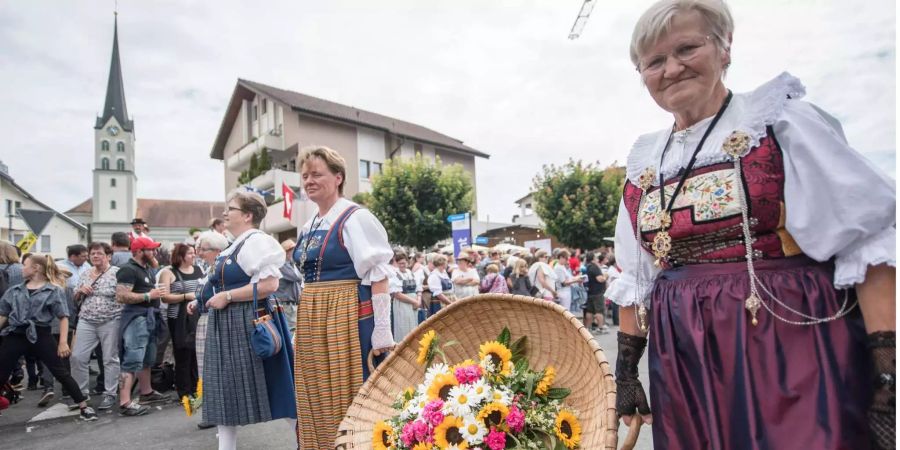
273,179
240,160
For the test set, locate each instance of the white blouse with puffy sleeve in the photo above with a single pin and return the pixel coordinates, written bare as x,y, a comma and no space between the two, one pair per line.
838,204
260,257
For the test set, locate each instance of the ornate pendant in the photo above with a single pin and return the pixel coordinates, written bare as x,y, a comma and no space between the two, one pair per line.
665,220
662,244
752,304
642,318
736,144
646,179
302,258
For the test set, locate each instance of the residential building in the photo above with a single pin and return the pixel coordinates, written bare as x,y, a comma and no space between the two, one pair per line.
59,233
283,122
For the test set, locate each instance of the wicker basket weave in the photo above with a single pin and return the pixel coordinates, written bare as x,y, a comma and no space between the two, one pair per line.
555,337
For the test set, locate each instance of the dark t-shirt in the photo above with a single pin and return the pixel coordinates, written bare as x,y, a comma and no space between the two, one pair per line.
140,278
595,287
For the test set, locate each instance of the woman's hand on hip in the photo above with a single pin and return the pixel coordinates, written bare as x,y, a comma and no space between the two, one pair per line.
217,301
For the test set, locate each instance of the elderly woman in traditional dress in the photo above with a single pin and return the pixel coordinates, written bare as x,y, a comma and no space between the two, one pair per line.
239,387
345,308
747,266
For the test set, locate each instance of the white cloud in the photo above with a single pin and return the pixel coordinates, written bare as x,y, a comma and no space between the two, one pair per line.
500,75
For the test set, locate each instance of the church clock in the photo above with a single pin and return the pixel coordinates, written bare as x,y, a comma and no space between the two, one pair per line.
113,130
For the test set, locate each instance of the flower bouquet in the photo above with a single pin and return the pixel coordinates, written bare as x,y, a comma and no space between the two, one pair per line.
192,403
495,402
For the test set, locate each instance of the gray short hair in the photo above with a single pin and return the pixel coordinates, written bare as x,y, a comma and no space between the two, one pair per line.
251,203
655,23
213,239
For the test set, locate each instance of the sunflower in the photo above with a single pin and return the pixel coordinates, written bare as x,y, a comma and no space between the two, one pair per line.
383,436
200,388
449,432
499,354
426,347
543,386
186,402
568,430
440,387
423,446
465,363
493,415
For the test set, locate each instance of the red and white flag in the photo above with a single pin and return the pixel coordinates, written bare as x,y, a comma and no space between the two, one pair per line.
289,197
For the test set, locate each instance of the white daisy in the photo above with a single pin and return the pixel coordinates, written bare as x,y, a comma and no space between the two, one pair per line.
501,395
487,364
480,391
473,430
414,407
433,371
460,401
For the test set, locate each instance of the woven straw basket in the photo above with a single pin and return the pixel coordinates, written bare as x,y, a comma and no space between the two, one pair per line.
555,337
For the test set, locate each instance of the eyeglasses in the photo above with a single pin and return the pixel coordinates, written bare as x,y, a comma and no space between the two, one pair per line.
204,249
684,52
232,208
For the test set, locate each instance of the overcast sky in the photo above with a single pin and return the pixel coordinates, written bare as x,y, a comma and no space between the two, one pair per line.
499,75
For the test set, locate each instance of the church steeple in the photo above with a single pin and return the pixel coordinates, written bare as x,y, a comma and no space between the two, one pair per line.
115,89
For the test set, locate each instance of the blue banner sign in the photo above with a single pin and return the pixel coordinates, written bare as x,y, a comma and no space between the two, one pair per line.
461,232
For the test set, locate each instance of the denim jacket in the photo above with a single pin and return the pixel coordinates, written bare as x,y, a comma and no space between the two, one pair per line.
26,311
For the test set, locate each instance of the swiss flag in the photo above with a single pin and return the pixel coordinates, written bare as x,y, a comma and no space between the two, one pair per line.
289,197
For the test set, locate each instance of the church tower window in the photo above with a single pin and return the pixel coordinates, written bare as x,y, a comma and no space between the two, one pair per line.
104,163
104,146
112,204
120,147
112,182
120,164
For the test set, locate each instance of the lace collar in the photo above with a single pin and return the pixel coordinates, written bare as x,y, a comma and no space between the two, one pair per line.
749,113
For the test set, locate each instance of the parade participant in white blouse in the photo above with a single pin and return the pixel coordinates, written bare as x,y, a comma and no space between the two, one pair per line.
748,233
439,285
465,278
345,309
405,292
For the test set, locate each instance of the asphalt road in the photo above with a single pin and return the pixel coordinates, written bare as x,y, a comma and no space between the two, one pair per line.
167,427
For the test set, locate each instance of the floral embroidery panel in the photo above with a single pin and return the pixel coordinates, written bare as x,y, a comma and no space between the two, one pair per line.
712,196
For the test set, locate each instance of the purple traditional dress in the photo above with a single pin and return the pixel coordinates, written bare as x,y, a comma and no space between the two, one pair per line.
759,346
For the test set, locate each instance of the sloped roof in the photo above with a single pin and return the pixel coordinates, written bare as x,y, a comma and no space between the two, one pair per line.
246,89
75,223
168,213
114,106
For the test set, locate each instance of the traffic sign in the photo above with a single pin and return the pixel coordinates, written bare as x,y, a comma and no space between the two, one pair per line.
36,219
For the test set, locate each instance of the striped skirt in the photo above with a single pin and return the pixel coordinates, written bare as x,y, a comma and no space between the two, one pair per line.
234,381
327,365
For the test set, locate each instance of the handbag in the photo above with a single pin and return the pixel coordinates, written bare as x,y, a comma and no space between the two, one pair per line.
266,339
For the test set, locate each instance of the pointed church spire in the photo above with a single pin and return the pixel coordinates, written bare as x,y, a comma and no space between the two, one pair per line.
115,88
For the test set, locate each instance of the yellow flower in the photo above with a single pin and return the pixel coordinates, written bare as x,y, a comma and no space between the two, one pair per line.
543,386
425,347
423,446
493,415
186,402
200,388
568,430
448,433
440,387
383,436
500,356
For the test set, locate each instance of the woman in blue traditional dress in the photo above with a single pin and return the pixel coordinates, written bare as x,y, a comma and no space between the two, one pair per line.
240,388
748,233
344,312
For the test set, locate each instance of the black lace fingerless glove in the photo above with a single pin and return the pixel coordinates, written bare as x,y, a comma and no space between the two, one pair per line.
883,347
630,395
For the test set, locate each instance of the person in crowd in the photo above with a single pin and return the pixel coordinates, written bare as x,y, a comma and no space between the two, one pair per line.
416,262
405,294
493,257
98,323
9,265
217,225
345,309
121,246
290,285
564,279
519,282
422,275
612,274
140,326
595,306
250,266
139,228
76,264
439,285
26,311
209,245
465,278
541,275
493,282
750,293
182,279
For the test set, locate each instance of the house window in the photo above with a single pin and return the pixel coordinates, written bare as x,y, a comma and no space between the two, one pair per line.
9,208
112,182
45,243
104,164
363,169
120,164
18,207
17,237
265,105
120,147
112,204
104,146
255,111
376,168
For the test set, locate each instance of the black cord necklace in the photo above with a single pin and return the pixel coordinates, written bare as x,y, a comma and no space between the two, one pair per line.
313,228
662,242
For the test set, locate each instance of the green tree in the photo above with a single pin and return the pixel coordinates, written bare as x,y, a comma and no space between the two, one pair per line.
363,199
579,202
413,197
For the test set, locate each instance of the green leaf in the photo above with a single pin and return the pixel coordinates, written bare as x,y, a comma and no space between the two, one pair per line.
518,349
504,337
558,393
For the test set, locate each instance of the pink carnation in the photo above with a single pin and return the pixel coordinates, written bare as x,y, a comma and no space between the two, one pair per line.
432,412
408,435
496,440
515,419
415,432
468,374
